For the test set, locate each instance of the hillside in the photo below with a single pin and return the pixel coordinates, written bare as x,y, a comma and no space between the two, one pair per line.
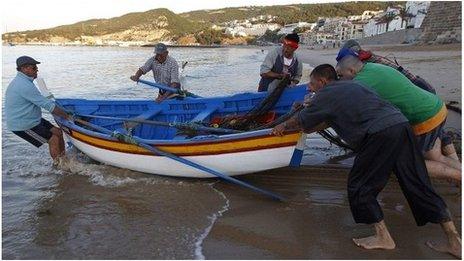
162,24
157,24
287,13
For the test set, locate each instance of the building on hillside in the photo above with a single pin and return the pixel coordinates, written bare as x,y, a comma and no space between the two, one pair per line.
343,31
357,29
253,30
316,37
390,20
417,10
289,28
369,14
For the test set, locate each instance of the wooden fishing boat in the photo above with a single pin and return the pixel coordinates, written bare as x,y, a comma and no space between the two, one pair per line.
232,154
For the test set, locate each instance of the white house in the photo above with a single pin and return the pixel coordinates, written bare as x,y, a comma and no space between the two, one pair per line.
369,14
357,29
418,10
288,28
378,25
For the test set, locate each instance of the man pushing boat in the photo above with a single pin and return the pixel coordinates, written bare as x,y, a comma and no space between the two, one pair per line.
23,103
385,143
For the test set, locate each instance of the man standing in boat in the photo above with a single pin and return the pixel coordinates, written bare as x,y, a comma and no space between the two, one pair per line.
385,143
23,103
165,71
280,62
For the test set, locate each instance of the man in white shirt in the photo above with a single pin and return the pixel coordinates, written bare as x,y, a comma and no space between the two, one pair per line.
165,71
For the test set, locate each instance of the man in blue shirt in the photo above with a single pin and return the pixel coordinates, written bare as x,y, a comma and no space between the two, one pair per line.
23,103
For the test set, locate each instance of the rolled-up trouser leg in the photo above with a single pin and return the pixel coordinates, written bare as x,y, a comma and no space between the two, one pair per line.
369,175
426,205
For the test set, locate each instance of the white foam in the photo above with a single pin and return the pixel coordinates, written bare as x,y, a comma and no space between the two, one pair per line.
107,176
213,218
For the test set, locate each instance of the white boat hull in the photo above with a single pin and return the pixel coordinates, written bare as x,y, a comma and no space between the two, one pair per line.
231,164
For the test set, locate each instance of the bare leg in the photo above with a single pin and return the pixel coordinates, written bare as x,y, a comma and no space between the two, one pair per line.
56,143
381,240
441,171
440,166
453,246
435,154
450,152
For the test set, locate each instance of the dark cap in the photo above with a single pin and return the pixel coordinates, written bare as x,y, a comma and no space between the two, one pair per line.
352,44
25,60
160,48
293,37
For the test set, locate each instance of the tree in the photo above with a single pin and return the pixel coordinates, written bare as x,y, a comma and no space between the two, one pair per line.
405,16
387,18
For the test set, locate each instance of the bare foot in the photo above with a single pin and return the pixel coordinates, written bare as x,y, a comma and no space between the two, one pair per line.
375,242
453,247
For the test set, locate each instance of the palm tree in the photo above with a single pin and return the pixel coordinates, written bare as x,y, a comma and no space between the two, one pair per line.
387,18
405,16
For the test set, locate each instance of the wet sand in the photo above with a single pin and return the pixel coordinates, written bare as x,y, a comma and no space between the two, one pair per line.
316,222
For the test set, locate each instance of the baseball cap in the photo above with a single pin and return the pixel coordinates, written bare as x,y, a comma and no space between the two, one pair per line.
160,48
352,44
23,60
344,52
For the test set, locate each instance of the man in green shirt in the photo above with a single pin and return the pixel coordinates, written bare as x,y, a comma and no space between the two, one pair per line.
424,110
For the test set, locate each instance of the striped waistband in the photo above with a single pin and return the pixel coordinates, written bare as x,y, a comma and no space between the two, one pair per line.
431,123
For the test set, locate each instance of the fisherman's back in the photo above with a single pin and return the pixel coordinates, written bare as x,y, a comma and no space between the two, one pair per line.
415,103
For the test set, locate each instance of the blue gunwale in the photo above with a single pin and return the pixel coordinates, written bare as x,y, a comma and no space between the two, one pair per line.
186,109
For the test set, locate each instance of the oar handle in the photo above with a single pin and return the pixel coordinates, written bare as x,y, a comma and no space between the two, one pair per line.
159,86
169,89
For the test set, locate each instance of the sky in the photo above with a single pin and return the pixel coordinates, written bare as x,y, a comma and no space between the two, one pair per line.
20,15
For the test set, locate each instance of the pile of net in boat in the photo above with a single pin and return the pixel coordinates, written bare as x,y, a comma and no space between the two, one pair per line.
262,117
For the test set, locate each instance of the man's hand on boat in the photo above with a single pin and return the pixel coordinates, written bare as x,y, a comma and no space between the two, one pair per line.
134,78
57,111
290,124
279,129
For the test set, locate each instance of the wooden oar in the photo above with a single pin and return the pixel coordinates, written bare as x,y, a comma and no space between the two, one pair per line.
137,141
169,89
156,151
178,125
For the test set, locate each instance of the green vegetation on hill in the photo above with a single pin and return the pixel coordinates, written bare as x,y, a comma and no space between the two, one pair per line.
163,24
150,20
286,13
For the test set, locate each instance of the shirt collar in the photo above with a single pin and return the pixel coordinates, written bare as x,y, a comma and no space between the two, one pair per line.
22,75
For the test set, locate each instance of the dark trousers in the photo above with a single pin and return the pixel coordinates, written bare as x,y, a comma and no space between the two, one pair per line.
393,149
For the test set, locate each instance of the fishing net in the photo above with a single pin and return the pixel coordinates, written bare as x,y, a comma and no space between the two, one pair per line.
261,117
254,118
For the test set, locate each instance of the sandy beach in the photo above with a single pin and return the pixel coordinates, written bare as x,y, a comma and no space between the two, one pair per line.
440,65
316,223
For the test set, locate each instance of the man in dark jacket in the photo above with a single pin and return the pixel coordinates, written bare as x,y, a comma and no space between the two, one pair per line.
385,143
